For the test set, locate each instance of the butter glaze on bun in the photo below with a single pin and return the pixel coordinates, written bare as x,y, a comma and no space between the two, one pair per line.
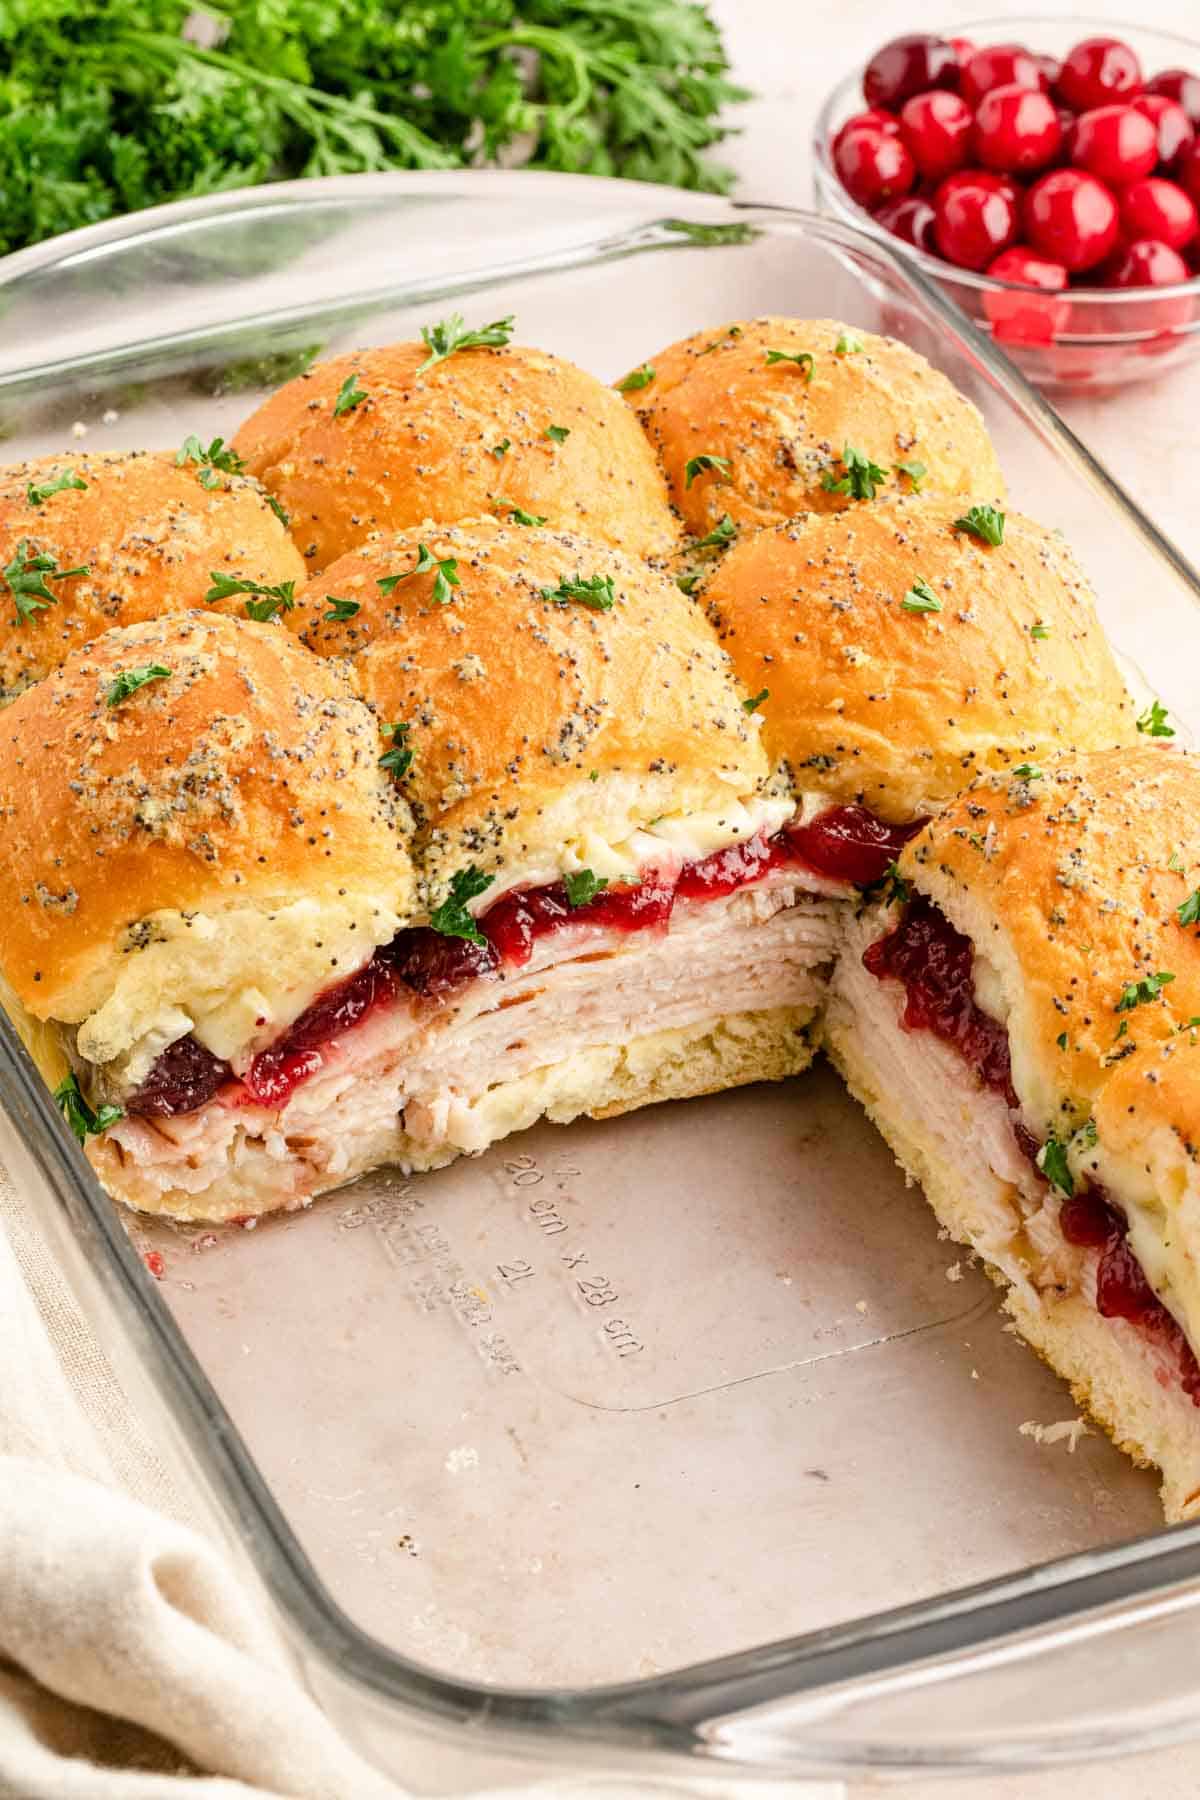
466,437
149,534
223,832
1064,886
537,723
899,709
780,430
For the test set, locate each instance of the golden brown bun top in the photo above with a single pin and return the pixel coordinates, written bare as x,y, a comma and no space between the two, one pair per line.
149,534
899,709
534,721
246,777
780,430
467,437
1069,883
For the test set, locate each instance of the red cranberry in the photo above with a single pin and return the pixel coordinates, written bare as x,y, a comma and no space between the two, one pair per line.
1179,85
1098,70
1000,65
1022,265
1172,127
184,1077
873,165
910,219
975,217
936,126
1189,172
1071,218
1146,263
1028,318
849,843
1155,208
882,121
1050,69
907,66
1115,143
1017,129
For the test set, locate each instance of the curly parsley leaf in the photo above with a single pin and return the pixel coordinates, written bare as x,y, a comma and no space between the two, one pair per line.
340,610
444,580
349,395
128,681
722,533
1052,1161
398,760
861,479
451,335
519,517
1153,722
637,379
593,591
755,701
983,522
916,472
267,602
451,918
558,434
848,345
283,516
1189,912
26,576
84,1121
37,496
1141,993
583,886
921,598
698,465
209,459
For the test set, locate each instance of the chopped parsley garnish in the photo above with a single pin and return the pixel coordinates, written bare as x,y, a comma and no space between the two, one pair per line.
268,601
558,434
891,887
687,583
211,458
83,1120
697,465
755,701
449,335
340,610
637,379
284,517
1039,630
848,345
445,579
502,448
1175,863
921,598
1061,1040
803,360
721,534
349,396
128,681
916,472
25,578
1140,993
397,760
983,522
1189,912
451,918
583,886
1052,1161
594,591
861,479
519,517
1028,772
68,479
1153,722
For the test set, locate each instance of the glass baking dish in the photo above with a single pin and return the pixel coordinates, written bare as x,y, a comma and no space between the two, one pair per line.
769,1507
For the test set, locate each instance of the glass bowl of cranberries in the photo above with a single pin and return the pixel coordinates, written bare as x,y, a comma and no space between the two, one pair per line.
1046,173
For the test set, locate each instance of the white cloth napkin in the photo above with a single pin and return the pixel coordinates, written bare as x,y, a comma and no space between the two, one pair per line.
133,1665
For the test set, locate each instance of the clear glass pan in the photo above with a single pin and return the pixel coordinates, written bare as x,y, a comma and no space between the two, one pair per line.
770,1507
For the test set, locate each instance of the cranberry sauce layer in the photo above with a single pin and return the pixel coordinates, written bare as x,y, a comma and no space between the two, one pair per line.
844,843
935,963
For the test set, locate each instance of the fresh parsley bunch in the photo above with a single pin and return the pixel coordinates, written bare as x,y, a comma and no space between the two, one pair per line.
111,105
